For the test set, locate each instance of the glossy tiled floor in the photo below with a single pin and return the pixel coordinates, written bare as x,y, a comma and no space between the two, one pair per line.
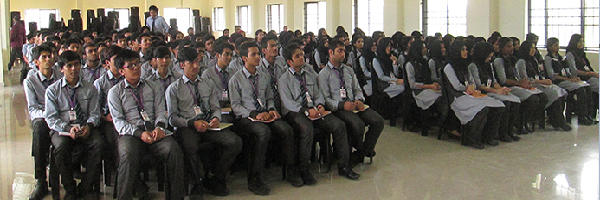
543,165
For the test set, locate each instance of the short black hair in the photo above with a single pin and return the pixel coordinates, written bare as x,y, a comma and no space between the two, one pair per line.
288,51
335,43
109,52
221,45
37,51
187,54
161,52
72,41
124,56
244,48
264,43
139,38
153,7
67,57
257,32
208,37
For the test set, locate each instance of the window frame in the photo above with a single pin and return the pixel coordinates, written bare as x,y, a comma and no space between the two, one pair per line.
106,10
239,19
218,20
270,15
318,15
448,24
180,26
355,19
39,19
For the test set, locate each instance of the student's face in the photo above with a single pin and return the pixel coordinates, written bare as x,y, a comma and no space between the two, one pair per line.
179,36
45,61
346,41
272,48
190,68
516,44
200,54
162,63
580,44
225,58
208,45
88,40
260,36
496,47
74,47
297,58
359,43
508,49
225,33
463,52
111,64
489,58
338,54
31,41
71,70
153,13
424,51
253,57
122,43
554,48
146,42
91,54
132,70
532,50
388,49
190,31
374,47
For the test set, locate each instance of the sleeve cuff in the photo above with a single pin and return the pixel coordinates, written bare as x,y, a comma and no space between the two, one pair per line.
190,123
253,113
340,106
302,111
161,124
137,133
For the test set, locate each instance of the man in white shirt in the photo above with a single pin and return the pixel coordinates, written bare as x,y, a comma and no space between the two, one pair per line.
156,23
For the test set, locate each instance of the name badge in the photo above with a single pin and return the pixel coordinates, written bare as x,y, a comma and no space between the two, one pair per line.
72,115
308,99
541,67
197,110
587,68
466,83
343,93
144,116
225,94
489,82
563,72
260,103
537,77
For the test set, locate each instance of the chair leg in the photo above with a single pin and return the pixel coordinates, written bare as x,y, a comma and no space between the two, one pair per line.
116,185
167,185
54,177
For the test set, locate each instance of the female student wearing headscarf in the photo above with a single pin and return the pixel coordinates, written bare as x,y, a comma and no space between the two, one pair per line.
578,61
389,75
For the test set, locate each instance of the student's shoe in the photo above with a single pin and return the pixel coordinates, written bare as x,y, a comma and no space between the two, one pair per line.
258,187
216,186
40,191
294,177
307,178
348,173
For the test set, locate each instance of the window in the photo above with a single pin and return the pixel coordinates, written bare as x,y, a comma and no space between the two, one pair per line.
561,19
218,19
41,17
445,17
315,16
243,18
275,17
183,16
368,15
123,16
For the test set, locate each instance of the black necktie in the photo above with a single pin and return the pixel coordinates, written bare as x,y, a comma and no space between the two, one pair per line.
76,107
276,97
153,20
304,102
255,89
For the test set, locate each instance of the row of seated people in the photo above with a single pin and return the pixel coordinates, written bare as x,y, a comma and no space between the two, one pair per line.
114,105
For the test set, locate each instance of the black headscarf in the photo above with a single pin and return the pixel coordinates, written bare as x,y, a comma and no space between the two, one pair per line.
459,63
366,50
415,53
382,56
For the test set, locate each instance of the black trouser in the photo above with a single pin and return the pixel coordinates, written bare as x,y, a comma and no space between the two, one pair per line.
260,134
533,107
355,127
492,124
579,100
555,112
15,52
131,152
329,124
63,146
229,144
508,119
472,132
110,154
593,98
303,138
40,147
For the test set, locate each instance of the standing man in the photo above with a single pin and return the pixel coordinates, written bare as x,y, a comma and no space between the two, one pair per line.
17,39
156,23
193,109
343,96
138,108
73,115
35,86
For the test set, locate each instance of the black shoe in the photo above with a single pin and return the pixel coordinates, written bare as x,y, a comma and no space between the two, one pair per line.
294,177
592,119
308,178
258,187
70,197
356,158
216,186
515,138
583,121
476,145
566,127
492,143
348,173
506,139
40,191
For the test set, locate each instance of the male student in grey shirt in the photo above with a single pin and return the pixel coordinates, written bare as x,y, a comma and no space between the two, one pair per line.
73,114
302,101
193,109
35,86
138,110
343,96
220,74
273,65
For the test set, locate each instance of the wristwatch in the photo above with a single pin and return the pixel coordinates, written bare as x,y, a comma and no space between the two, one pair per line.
161,128
306,113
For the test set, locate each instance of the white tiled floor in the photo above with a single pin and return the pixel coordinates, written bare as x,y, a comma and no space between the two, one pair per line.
544,165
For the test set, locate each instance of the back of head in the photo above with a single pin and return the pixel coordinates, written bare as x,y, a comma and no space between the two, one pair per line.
161,52
109,52
221,45
524,50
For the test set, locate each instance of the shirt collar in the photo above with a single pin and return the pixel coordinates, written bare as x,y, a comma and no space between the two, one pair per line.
247,74
43,78
291,70
128,85
218,68
111,76
158,75
186,79
64,83
330,65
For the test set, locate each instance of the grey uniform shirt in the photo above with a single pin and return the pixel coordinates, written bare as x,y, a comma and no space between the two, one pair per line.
125,108
279,67
330,86
219,78
103,85
91,74
181,103
35,86
58,104
170,78
242,90
289,89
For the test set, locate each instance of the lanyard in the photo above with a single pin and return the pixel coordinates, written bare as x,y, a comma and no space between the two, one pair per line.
166,82
193,93
340,76
72,98
254,84
140,99
302,80
94,75
223,81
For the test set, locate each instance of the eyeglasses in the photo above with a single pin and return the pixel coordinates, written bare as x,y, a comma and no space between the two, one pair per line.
132,67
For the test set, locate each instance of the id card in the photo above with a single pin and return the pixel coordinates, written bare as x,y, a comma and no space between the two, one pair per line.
537,77
197,110
563,72
466,83
587,68
489,82
308,99
343,93
72,115
225,94
144,116
541,67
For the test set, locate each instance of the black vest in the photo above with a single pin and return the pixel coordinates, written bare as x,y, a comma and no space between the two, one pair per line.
422,73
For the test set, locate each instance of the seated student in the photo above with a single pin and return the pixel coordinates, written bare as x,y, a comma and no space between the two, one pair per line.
252,98
302,101
209,50
529,68
561,74
193,109
102,85
479,114
138,108
343,96
163,75
532,99
578,62
237,62
273,65
437,58
365,62
390,76
219,76
145,43
35,86
320,57
421,78
121,41
73,114
482,71
93,69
